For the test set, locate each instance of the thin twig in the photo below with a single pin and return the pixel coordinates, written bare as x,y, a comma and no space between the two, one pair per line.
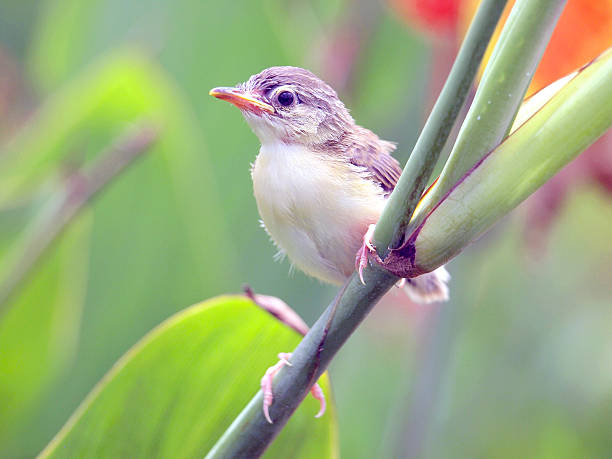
78,190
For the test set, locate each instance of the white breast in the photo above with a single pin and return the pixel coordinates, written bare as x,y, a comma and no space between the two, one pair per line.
315,207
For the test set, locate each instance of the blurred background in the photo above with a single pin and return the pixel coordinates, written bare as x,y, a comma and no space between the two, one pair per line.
518,363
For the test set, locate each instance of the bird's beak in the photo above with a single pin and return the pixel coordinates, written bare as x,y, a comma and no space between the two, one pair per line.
241,99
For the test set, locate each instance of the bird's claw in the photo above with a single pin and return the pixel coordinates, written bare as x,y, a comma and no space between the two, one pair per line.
361,260
268,395
317,393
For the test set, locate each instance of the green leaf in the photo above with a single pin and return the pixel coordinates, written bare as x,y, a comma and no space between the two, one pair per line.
151,230
79,190
176,391
39,333
558,128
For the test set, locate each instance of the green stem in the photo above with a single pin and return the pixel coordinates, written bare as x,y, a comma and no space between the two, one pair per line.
250,434
500,93
424,156
79,189
577,115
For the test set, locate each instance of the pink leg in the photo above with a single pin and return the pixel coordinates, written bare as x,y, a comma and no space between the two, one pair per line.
361,260
317,393
266,387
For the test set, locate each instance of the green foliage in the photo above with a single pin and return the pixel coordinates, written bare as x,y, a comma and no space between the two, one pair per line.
526,348
140,237
175,392
529,345
39,332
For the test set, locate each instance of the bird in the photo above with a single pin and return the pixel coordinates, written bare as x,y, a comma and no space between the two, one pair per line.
320,181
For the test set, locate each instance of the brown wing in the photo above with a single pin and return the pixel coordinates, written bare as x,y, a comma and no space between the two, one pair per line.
367,150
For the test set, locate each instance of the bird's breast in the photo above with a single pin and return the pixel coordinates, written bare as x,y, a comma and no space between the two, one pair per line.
315,206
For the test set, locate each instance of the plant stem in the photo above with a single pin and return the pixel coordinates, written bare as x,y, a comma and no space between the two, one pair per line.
390,231
500,93
80,187
578,114
250,433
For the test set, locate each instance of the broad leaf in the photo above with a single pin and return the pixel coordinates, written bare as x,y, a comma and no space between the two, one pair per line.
151,227
39,330
176,391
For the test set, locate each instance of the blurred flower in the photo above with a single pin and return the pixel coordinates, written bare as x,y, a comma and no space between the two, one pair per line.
583,32
438,18
338,52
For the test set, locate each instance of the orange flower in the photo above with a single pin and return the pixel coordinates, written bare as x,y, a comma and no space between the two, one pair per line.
583,32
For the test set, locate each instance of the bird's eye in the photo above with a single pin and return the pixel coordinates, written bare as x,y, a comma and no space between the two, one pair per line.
285,98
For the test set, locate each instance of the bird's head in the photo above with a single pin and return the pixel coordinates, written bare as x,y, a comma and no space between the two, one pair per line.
289,105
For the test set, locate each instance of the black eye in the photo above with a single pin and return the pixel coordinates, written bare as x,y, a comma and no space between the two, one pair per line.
285,98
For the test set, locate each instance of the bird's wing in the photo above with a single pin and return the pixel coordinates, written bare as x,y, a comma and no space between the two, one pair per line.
374,154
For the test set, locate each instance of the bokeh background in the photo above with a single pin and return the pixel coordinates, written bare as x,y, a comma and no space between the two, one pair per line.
518,363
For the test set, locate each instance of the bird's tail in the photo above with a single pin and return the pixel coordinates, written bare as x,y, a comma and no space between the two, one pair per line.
428,288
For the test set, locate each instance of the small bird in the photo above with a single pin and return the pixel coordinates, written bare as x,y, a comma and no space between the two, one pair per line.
320,180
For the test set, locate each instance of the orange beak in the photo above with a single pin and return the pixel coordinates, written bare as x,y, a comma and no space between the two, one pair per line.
242,100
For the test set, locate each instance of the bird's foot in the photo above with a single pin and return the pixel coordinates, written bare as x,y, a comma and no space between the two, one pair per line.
361,260
268,395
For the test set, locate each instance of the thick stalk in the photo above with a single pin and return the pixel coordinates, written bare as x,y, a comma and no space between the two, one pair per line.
426,152
500,93
250,434
566,125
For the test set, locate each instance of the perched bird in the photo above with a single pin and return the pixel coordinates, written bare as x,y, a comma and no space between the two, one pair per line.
320,180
